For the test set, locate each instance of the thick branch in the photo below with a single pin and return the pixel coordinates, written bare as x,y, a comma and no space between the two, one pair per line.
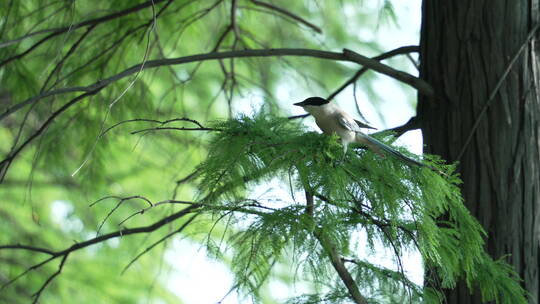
399,51
422,86
333,254
347,55
412,124
339,266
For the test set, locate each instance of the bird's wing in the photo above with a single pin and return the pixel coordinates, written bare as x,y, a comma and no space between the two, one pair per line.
348,124
378,146
372,143
363,125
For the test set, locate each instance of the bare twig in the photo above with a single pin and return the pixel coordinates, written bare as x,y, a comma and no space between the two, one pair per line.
161,122
120,233
49,280
287,13
126,89
185,179
161,240
120,201
174,128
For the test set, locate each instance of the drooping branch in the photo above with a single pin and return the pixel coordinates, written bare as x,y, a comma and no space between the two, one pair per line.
27,248
95,21
287,13
71,50
6,162
346,55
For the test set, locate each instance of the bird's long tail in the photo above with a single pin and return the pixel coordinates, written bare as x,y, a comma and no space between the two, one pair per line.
378,146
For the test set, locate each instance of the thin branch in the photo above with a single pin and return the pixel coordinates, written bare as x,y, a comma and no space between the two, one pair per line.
126,89
234,24
113,45
388,273
161,240
49,280
185,179
69,53
174,128
164,122
92,89
95,21
493,93
120,201
380,223
28,248
120,233
240,208
288,14
6,162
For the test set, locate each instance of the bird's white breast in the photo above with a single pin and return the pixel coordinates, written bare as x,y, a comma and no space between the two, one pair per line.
327,118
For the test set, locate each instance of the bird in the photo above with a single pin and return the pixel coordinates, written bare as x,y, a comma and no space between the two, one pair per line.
331,119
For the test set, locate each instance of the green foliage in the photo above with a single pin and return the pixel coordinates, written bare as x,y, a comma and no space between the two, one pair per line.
399,205
363,194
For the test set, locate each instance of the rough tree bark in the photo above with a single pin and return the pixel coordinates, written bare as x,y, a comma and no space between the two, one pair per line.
466,46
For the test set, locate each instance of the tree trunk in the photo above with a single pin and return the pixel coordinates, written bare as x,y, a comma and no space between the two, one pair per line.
466,46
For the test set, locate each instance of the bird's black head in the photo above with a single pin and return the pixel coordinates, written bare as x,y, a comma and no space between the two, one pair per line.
312,101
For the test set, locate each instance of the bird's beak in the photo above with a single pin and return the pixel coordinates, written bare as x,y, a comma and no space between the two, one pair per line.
300,104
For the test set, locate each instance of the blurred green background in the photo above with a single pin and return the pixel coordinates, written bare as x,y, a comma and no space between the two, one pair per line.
44,204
